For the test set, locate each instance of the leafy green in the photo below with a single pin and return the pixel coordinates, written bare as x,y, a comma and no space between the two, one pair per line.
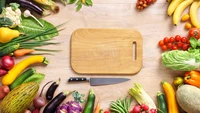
30,26
4,21
78,97
182,60
14,6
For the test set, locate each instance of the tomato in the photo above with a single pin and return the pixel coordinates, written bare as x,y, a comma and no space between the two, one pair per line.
164,47
166,40
169,45
106,112
177,38
183,39
172,39
161,42
185,46
194,32
179,44
174,47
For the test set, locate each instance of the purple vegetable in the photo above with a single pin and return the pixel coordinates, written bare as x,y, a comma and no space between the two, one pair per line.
70,107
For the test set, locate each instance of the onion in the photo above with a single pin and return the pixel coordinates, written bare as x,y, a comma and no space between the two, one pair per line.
2,72
7,62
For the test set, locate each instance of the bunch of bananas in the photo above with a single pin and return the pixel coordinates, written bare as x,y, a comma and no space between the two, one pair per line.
176,8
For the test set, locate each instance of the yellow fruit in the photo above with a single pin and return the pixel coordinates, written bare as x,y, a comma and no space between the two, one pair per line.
7,34
193,13
178,81
188,26
172,6
185,17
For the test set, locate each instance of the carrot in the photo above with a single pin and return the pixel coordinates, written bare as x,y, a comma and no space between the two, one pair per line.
4,90
97,109
22,52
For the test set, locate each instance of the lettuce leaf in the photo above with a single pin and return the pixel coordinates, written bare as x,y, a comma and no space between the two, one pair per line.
30,26
181,60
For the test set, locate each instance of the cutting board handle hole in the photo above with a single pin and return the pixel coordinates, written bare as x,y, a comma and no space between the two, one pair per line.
134,50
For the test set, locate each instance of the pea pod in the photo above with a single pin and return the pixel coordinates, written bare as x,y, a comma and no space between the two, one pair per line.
89,107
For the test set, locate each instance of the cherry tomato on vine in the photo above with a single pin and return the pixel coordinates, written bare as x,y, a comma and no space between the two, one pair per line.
179,44
106,112
194,32
166,40
174,47
164,47
183,39
161,42
185,46
169,45
172,39
177,38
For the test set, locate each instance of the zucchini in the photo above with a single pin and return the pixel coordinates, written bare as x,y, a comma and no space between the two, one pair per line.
36,77
2,5
22,77
9,49
162,103
89,107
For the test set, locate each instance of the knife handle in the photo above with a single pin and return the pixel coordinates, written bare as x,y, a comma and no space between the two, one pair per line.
77,79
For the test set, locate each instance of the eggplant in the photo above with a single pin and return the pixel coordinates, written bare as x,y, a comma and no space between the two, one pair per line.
55,102
29,5
52,89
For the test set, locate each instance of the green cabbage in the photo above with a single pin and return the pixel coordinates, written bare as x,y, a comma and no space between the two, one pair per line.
182,60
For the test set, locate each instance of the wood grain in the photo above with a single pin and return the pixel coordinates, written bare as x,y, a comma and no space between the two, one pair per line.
106,51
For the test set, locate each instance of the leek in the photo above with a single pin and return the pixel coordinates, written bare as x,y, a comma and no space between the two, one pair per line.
141,96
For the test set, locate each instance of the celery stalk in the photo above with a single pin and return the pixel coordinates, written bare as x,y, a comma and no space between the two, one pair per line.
141,96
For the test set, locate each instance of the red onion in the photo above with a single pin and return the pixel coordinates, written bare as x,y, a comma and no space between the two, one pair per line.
7,62
2,72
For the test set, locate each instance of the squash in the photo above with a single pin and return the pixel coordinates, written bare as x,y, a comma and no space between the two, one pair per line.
188,97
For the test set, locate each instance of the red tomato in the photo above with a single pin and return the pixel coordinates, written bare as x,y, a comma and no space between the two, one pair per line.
164,47
174,47
183,39
185,46
179,44
194,32
172,39
166,40
161,42
106,111
169,45
177,38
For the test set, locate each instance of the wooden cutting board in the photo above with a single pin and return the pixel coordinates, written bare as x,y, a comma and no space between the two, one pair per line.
106,51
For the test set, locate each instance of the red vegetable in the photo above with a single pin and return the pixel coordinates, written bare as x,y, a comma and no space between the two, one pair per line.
7,62
136,109
4,90
2,72
194,32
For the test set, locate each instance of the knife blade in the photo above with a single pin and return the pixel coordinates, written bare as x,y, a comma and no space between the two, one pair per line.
98,81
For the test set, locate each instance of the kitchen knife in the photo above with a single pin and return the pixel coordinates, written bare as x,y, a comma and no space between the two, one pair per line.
98,81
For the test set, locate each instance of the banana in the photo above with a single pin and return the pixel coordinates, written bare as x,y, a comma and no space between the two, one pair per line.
178,11
168,1
172,6
193,13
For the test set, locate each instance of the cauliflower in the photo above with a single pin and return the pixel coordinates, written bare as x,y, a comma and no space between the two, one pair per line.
14,13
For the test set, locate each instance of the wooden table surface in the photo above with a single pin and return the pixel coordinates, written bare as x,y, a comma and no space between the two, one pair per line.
153,23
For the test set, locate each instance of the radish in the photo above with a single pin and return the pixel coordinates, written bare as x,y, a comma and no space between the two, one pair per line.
136,109
7,62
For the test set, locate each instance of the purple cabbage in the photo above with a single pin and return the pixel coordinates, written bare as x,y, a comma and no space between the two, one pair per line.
69,107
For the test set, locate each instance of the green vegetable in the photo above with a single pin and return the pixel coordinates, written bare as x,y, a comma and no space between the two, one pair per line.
36,77
162,103
181,60
141,96
5,22
121,106
78,97
8,50
20,98
188,97
19,80
30,26
2,5
89,107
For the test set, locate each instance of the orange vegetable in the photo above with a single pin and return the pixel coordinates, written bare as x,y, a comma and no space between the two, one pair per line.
192,78
22,52
170,97
4,90
97,109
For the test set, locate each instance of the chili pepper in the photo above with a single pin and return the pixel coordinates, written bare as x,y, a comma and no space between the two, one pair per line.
192,78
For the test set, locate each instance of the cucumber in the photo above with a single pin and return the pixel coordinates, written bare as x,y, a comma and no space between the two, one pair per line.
20,98
2,5
22,77
36,77
162,103
9,49
89,107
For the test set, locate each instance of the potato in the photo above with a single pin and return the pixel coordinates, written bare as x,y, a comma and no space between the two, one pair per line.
188,97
